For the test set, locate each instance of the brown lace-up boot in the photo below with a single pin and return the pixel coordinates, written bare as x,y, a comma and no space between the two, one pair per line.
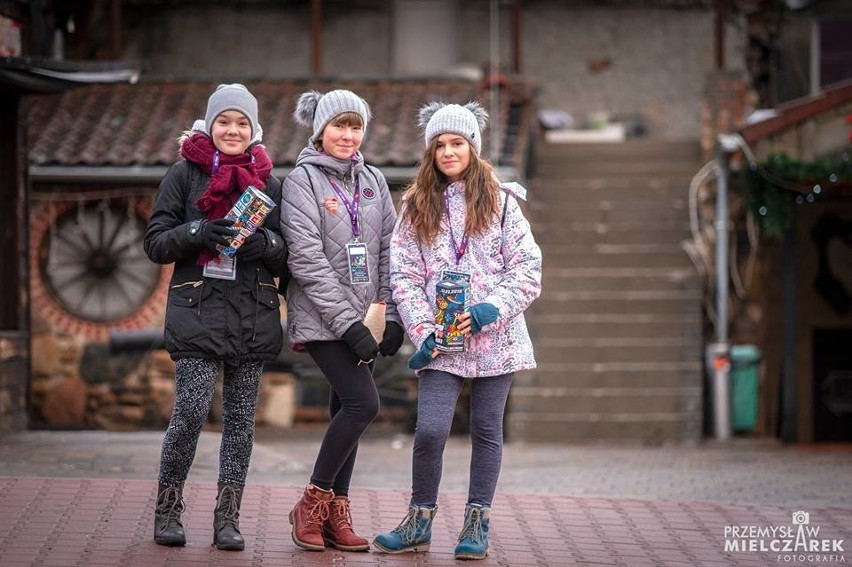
337,531
308,516
168,529
226,518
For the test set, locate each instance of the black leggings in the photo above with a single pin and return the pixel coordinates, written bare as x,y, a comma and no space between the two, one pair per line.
353,405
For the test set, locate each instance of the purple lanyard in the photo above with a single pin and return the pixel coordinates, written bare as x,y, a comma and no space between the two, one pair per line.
458,248
351,206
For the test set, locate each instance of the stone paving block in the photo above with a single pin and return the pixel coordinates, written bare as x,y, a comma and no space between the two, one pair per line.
79,521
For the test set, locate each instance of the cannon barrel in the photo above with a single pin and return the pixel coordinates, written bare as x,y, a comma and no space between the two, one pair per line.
136,340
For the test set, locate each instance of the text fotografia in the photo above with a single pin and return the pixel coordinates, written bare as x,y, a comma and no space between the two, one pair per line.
799,542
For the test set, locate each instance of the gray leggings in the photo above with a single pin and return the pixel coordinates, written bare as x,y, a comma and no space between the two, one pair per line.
437,394
195,380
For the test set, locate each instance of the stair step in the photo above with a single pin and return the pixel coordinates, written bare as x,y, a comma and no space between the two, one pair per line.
586,170
613,307
565,193
555,349
571,279
606,212
596,427
629,150
636,374
562,235
588,233
621,400
560,256
616,330
565,304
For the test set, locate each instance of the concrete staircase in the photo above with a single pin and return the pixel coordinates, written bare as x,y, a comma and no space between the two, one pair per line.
617,329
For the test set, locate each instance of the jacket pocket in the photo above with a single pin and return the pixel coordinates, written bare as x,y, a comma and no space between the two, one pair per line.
266,334
186,294
267,294
185,330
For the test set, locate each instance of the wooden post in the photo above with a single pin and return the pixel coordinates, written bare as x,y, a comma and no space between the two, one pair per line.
115,29
13,227
516,37
316,37
721,16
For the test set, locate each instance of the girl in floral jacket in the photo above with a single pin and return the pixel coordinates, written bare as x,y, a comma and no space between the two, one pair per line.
459,222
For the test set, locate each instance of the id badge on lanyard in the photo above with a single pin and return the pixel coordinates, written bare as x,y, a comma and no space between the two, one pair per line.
356,251
459,248
356,254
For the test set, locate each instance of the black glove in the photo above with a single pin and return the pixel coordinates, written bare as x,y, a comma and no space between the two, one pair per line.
253,247
209,233
361,341
392,339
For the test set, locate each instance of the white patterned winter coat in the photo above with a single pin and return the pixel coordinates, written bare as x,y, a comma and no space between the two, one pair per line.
505,264
322,303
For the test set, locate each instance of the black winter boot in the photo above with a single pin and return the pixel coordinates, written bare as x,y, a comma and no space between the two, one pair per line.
226,518
168,529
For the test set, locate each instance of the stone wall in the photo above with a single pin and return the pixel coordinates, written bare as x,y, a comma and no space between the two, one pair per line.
13,381
83,384
646,65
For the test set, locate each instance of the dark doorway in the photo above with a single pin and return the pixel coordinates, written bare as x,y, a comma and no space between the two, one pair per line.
832,356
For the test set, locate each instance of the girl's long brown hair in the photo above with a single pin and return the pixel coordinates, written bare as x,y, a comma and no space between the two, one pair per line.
424,198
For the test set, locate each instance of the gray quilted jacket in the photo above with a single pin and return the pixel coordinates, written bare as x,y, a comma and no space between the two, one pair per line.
321,302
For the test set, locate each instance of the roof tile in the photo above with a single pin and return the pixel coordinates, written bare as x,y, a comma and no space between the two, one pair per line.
138,125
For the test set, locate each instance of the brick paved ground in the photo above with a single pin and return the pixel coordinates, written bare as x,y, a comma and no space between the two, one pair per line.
85,499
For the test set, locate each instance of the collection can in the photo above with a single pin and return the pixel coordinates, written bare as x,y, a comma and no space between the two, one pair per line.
450,303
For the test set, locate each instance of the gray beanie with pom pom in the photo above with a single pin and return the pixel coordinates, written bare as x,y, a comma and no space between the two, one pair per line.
468,121
316,110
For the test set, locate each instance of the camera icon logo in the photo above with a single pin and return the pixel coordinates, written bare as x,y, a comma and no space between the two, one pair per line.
801,518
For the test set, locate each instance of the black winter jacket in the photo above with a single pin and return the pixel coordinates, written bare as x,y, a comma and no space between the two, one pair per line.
207,317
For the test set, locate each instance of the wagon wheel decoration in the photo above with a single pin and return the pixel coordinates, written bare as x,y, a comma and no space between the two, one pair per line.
89,272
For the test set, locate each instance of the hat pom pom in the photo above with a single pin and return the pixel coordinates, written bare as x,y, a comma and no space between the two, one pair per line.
427,111
479,113
306,108
368,111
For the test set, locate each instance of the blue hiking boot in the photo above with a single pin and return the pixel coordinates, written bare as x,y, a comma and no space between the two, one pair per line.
414,533
473,539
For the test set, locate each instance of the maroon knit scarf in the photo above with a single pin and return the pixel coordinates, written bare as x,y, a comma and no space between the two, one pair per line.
234,174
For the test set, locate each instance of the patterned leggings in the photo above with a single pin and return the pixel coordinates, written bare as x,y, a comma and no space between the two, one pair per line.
195,381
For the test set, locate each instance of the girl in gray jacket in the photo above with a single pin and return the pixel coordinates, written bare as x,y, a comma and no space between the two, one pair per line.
337,217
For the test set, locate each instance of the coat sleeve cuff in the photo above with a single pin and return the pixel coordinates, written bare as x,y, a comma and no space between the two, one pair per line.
420,332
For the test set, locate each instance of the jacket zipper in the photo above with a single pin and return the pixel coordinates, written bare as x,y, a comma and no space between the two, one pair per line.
184,284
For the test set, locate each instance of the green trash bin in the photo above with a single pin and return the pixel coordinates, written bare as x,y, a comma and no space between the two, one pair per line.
745,362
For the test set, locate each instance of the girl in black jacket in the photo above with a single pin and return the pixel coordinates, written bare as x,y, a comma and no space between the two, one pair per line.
215,321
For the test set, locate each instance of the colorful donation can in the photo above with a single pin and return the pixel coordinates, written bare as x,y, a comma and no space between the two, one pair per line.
248,213
450,302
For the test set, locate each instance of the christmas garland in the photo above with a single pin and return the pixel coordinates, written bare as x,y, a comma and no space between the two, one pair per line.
774,187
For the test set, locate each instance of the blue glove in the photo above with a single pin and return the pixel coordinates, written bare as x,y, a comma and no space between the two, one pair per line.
424,355
482,314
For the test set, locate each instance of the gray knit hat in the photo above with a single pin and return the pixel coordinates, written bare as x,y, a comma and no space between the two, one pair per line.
316,110
467,121
232,97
